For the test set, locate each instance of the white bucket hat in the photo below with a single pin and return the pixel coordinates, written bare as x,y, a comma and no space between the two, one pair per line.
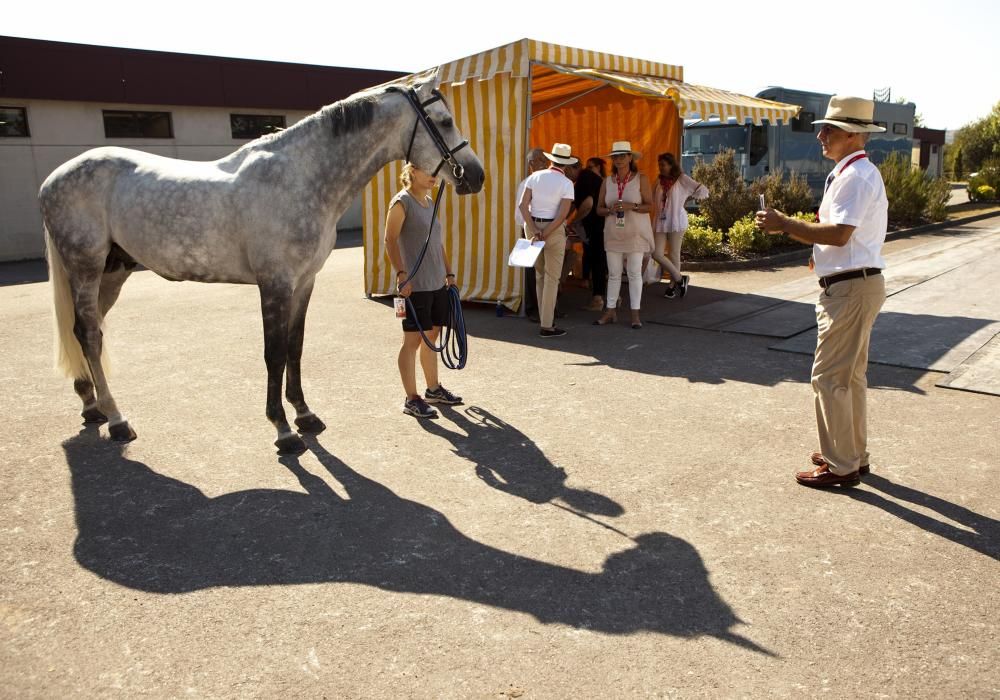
621,148
561,154
853,114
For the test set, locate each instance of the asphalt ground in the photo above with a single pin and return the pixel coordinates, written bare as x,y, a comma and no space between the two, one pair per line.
610,513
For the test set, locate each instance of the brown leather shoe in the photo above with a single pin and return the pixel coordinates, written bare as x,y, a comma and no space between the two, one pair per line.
817,459
822,477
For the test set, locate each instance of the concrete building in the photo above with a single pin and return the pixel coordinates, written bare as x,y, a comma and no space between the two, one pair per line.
928,150
58,100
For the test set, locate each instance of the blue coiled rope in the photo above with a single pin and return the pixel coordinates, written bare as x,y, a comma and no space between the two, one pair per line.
454,347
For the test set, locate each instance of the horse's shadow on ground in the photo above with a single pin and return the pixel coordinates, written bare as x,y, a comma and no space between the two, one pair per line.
508,460
149,532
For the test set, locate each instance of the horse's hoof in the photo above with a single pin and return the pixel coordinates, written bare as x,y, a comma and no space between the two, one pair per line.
122,432
310,424
290,445
92,415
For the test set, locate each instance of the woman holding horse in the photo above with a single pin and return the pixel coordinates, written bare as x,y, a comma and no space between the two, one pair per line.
426,288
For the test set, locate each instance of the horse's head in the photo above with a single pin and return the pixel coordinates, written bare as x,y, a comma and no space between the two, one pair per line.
435,144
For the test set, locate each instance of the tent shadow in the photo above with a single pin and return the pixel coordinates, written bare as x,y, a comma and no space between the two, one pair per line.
983,535
149,532
697,355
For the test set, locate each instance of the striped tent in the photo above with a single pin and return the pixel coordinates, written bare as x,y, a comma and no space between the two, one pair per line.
531,93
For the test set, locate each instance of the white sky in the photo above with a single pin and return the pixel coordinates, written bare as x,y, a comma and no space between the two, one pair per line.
944,56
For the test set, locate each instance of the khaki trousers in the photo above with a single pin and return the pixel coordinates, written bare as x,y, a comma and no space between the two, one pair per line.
845,314
548,269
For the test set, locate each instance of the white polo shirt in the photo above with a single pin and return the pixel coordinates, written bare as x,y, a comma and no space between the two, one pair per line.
518,219
548,188
856,197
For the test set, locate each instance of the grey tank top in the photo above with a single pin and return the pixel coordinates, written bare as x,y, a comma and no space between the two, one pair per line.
431,274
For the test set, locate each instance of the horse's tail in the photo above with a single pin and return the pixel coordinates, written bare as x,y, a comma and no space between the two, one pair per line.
69,358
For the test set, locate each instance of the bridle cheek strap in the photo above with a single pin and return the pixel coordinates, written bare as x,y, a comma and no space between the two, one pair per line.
447,154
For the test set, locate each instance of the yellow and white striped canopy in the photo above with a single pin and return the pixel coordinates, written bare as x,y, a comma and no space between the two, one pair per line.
494,96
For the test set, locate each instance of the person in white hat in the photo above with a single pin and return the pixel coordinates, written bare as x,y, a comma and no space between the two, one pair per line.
544,204
847,254
625,200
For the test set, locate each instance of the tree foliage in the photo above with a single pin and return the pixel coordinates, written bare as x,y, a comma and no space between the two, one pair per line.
975,145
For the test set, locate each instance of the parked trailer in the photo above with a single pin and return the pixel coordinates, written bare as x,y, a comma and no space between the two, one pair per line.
792,147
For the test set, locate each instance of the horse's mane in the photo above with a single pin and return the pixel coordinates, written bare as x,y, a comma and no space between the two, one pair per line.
353,113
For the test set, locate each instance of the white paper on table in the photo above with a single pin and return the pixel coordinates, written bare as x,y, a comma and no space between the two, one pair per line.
525,253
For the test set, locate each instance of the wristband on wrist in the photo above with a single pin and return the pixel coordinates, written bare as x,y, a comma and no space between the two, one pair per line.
450,274
401,272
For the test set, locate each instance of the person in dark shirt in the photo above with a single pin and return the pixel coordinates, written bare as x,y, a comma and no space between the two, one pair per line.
586,190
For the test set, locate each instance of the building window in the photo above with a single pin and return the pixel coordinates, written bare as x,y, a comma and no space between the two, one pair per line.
804,122
251,126
934,148
137,125
898,128
13,121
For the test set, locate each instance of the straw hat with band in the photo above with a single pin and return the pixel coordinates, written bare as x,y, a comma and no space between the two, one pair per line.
623,148
562,154
852,114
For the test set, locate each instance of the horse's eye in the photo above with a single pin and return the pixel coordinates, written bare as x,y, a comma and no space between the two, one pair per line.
447,122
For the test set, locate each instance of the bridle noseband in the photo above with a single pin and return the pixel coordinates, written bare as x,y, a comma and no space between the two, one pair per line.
447,154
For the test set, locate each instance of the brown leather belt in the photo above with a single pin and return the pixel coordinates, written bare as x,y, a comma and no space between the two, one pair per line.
825,282
541,221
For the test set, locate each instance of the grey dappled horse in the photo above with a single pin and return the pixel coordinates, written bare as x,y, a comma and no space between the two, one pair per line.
264,215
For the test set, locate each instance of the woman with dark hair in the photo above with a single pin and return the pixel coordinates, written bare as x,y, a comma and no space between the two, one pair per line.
625,200
597,166
595,263
670,221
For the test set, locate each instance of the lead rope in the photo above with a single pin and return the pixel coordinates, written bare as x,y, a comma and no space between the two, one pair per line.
454,348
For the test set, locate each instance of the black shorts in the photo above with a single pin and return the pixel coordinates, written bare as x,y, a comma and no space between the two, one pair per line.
431,309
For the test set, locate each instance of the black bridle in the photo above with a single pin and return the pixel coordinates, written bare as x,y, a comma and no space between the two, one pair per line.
447,154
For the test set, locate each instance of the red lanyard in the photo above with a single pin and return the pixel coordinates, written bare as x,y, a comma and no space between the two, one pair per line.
622,185
557,169
665,184
852,160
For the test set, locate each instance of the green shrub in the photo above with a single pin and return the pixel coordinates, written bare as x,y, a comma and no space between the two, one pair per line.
938,194
789,195
913,196
729,198
904,189
985,192
745,238
698,220
702,241
988,176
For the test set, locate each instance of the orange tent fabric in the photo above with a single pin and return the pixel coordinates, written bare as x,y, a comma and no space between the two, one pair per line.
600,115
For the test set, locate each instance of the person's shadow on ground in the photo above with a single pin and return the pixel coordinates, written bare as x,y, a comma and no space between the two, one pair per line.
149,532
983,535
508,460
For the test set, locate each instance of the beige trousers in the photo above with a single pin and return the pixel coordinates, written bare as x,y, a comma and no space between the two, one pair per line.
548,269
845,314
671,262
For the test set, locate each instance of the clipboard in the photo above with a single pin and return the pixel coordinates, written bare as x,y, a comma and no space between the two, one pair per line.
525,253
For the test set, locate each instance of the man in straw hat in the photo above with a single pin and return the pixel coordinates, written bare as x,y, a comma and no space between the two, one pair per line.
847,254
545,202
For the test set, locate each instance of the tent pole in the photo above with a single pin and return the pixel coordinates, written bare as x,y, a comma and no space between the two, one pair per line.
570,100
522,308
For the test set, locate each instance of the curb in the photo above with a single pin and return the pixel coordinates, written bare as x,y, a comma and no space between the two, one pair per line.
795,255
